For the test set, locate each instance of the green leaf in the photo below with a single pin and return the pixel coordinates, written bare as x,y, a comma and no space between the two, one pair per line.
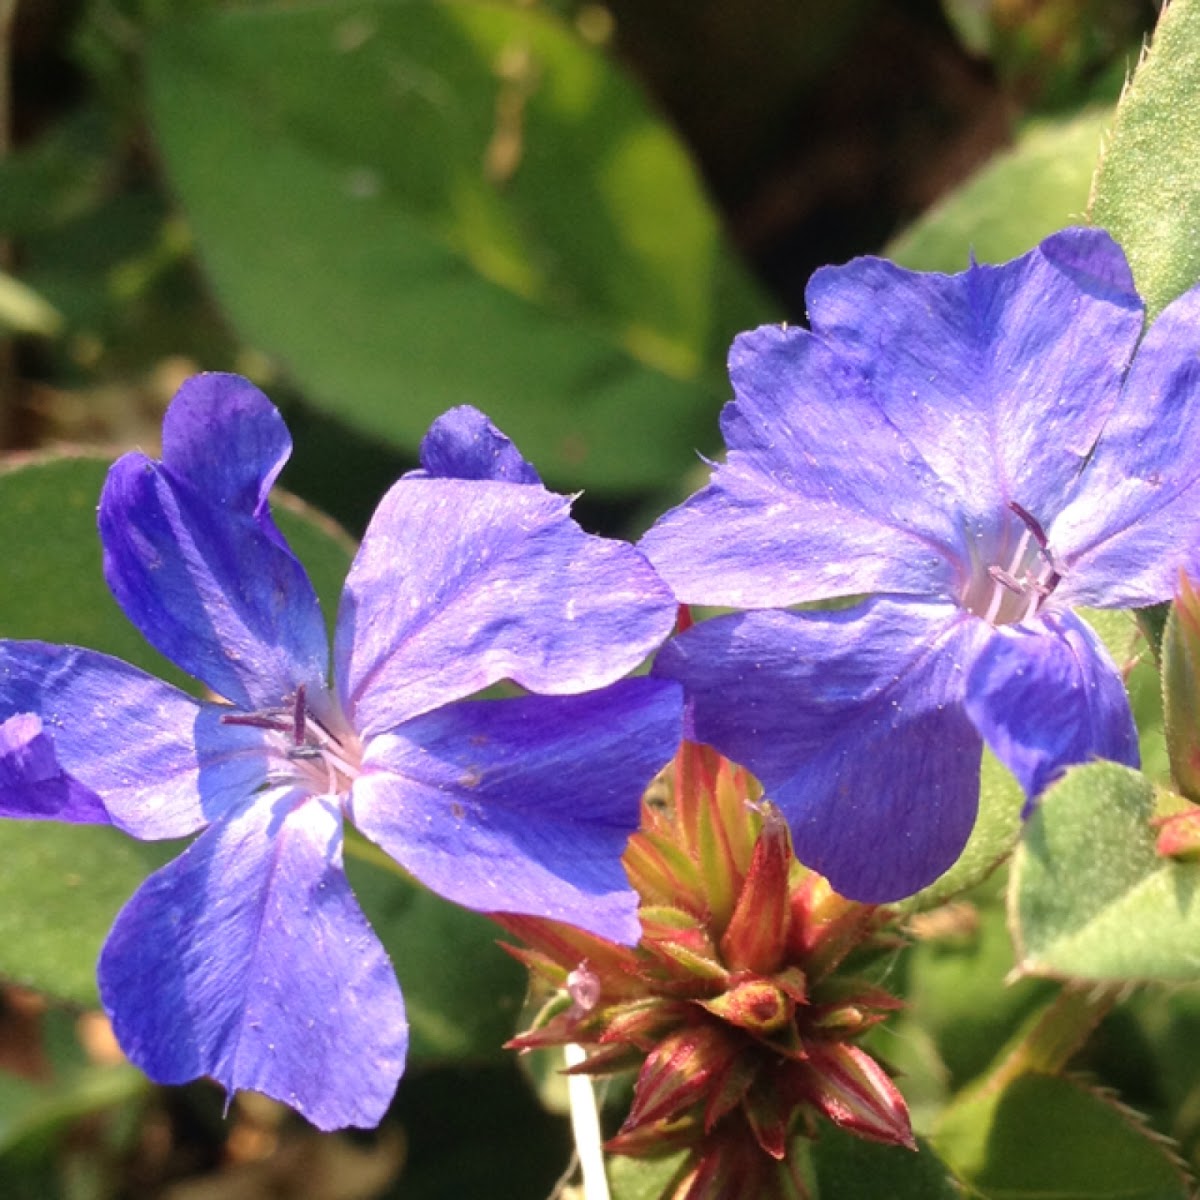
1147,188
1090,898
29,1109
1125,638
60,889
1049,169
1043,1135
642,1178
849,1168
956,973
424,204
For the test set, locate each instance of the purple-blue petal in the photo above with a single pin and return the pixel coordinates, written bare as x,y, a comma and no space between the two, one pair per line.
461,583
193,557
820,495
162,763
853,720
464,444
247,959
1002,376
33,785
1134,519
523,805
1045,695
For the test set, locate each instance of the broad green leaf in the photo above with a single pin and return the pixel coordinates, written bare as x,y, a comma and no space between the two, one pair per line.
1125,638
1181,689
1043,1135
54,587
642,1178
1090,898
28,1109
1147,189
60,889
1024,195
416,205
849,1168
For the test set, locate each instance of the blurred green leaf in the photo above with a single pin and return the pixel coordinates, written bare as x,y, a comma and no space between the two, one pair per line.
1043,1135
60,889
1024,195
849,1168
424,204
29,1109
642,1178
955,992
1090,898
22,310
1124,637
1147,188
1181,689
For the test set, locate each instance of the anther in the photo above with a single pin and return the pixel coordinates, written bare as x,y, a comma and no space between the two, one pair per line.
1032,524
299,717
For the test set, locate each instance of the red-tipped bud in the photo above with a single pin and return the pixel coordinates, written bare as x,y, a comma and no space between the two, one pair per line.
756,938
679,1072
854,1091
756,1005
1179,835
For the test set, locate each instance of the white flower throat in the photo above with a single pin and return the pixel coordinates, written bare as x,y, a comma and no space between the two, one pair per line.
1015,588
312,752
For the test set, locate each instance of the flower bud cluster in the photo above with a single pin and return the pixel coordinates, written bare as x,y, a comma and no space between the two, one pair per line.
735,1008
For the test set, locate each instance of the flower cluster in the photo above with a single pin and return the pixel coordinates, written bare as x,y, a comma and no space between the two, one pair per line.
919,491
736,1006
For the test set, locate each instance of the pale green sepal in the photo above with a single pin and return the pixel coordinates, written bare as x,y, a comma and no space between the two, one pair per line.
1181,690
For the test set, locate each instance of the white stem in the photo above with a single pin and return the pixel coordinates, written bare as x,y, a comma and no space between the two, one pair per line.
585,1124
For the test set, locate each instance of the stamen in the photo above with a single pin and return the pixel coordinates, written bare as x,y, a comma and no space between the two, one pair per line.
1008,580
1032,524
299,717
255,721
1002,577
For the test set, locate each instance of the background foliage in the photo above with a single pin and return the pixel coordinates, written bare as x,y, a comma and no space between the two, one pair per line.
561,211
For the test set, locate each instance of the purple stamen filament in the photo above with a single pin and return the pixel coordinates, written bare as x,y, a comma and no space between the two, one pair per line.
310,740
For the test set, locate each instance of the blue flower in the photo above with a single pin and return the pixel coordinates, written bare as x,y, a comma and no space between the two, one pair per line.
976,454
247,958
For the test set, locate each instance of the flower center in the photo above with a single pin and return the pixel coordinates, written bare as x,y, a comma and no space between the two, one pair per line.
310,749
1015,588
